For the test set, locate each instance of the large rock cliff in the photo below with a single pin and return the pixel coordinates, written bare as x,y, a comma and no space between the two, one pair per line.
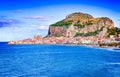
81,24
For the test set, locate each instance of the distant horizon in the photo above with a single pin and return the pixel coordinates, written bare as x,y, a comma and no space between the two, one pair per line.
21,19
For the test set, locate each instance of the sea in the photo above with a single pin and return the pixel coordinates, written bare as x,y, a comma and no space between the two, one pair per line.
45,60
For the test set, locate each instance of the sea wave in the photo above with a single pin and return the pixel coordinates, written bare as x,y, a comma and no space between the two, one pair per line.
114,63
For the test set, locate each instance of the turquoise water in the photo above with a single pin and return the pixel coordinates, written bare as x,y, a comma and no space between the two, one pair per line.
58,61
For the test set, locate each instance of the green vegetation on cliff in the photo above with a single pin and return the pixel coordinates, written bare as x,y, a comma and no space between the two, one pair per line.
57,35
79,34
113,31
89,33
62,23
88,23
79,25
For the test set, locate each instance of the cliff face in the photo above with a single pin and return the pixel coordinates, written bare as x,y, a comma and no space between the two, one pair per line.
57,31
81,24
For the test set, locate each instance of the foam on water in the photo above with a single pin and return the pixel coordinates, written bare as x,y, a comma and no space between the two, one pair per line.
116,63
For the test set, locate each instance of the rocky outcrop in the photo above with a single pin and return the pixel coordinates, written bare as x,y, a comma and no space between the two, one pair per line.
81,24
79,17
57,30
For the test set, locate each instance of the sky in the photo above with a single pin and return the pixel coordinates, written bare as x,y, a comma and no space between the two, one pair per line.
22,19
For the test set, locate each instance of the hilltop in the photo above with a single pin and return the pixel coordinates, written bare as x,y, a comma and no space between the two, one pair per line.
81,24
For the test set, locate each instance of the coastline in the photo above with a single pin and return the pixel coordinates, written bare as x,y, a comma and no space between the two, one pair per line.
91,41
92,46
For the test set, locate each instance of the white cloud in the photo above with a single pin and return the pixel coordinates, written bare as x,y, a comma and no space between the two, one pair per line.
43,18
43,27
38,17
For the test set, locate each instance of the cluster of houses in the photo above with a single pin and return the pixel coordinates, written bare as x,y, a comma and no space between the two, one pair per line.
36,40
91,40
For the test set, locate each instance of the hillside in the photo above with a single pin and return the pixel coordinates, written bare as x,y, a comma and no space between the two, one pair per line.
81,24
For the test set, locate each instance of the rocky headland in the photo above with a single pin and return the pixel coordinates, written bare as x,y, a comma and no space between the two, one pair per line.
79,28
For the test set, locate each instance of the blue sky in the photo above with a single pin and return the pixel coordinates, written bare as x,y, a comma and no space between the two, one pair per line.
21,19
